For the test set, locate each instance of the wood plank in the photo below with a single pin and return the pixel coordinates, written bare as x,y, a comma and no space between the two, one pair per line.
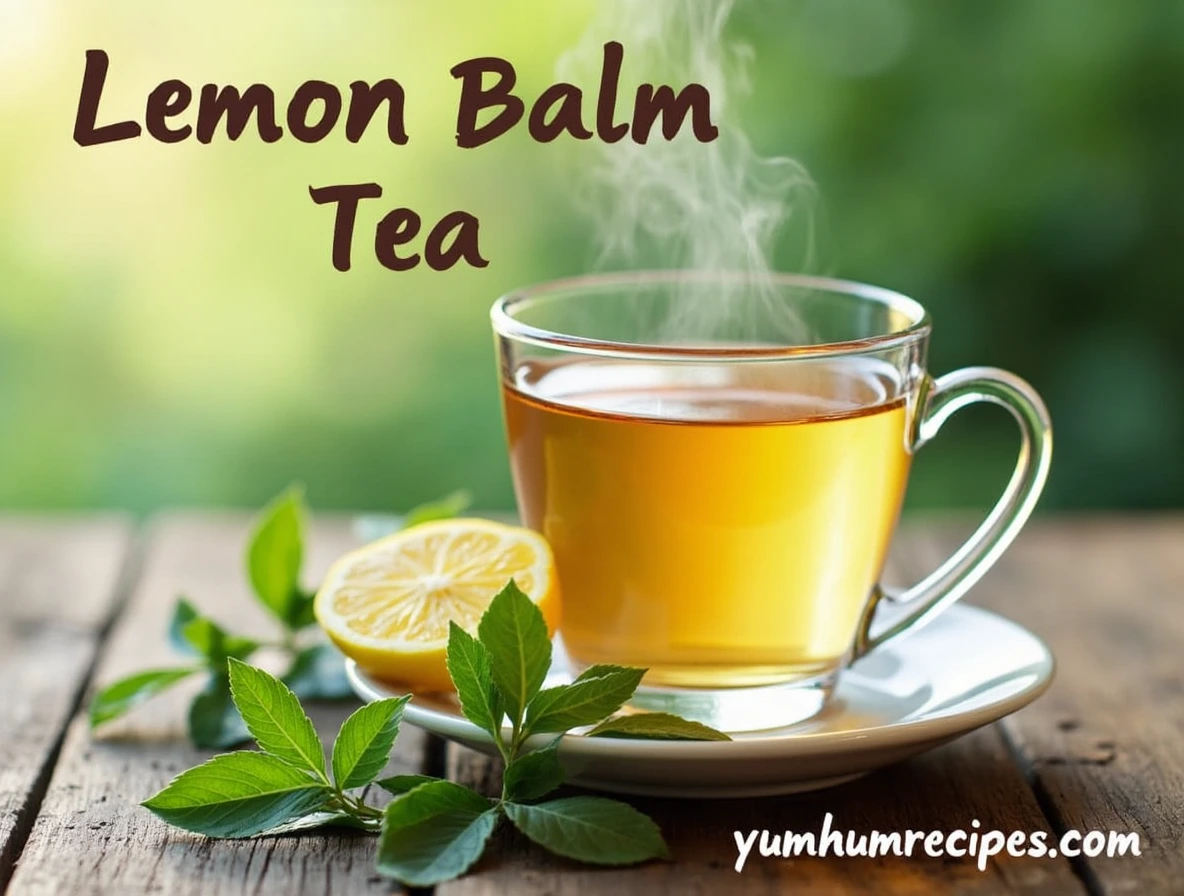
974,778
1103,747
92,837
943,790
59,584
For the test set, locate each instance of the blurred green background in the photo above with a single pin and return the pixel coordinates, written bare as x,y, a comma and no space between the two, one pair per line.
172,331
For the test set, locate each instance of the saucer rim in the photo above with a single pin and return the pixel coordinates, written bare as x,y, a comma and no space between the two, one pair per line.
755,745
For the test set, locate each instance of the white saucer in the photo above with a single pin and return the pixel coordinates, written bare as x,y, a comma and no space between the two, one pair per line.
964,670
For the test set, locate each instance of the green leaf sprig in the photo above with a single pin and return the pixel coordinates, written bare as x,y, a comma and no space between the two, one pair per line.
274,560
287,785
434,830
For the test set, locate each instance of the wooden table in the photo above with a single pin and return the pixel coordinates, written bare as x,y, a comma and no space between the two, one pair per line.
83,601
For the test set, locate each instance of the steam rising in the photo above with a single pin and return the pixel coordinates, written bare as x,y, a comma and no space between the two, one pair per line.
703,206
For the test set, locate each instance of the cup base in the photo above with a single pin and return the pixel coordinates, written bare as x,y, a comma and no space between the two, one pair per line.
739,710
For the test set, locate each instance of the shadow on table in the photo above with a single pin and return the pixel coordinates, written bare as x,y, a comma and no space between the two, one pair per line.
949,788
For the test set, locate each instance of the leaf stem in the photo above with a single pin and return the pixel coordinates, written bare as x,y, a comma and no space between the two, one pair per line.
339,802
520,736
362,810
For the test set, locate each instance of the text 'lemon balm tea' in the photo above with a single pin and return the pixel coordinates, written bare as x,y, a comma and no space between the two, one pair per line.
721,525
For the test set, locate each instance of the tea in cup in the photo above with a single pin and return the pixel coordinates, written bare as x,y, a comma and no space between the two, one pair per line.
721,491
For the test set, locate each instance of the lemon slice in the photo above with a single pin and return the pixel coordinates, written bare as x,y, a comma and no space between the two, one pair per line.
388,604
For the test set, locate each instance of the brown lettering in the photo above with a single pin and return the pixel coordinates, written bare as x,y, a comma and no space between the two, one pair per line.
347,197
464,243
606,100
568,99
306,94
169,98
474,99
673,108
363,104
85,132
397,228
237,107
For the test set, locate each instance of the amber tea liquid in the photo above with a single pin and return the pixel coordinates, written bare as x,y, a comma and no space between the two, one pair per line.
721,526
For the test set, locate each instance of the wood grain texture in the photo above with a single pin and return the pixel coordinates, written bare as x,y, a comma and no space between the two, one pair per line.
974,778
92,837
949,788
1100,751
1103,747
59,583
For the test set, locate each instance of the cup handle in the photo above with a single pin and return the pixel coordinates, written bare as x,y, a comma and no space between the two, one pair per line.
938,400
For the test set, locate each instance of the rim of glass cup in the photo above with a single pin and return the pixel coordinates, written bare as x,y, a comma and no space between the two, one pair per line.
506,324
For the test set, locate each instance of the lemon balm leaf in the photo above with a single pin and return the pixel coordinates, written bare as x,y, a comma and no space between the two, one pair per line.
515,635
400,784
434,832
656,726
322,819
453,504
373,526
302,610
598,692
214,720
238,795
318,673
435,849
275,718
469,667
364,743
590,829
193,633
183,614
127,693
214,643
534,775
274,556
